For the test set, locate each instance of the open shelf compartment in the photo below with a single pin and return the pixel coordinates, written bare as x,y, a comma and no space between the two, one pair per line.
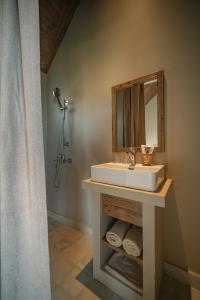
133,281
138,260
114,209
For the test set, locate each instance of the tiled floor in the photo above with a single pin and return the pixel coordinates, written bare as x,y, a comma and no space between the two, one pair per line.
70,252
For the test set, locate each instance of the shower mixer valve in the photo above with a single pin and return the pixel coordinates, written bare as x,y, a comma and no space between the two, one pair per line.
60,158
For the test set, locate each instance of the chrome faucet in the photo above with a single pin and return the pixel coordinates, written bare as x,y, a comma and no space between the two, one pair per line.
132,156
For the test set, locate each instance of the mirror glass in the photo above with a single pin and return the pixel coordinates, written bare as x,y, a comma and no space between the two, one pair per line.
138,113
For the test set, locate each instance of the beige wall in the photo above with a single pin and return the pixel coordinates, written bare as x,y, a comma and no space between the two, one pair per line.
110,42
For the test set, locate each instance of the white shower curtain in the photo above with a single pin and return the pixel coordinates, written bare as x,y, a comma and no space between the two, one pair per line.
23,216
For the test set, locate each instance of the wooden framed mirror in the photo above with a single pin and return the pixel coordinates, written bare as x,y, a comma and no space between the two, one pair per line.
138,113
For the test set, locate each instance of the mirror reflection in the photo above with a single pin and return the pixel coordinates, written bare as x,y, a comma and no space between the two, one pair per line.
138,116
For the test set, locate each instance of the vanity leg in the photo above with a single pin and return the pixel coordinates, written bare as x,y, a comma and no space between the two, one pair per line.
96,224
148,252
152,251
100,226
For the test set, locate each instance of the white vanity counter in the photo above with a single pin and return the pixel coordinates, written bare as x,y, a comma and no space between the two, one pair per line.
154,198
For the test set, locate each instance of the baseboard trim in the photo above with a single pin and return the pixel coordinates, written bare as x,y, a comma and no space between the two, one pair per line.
194,279
186,277
176,273
78,225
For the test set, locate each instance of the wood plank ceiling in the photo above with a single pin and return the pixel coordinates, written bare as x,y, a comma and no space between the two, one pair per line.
55,17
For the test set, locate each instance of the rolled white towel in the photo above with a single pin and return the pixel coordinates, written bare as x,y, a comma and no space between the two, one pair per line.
116,233
132,242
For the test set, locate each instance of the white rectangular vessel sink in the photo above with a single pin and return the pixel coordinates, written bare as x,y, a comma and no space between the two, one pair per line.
147,178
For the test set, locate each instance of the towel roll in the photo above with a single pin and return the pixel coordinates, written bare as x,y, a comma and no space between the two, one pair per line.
132,242
116,233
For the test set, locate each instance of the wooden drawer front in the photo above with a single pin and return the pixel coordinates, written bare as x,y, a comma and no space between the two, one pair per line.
122,209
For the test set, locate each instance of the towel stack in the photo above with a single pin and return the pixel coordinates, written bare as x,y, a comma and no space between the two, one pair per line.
126,270
130,237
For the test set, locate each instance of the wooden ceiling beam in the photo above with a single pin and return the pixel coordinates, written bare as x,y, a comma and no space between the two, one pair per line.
55,18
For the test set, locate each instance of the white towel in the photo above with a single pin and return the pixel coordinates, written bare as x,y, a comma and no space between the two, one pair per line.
116,233
132,242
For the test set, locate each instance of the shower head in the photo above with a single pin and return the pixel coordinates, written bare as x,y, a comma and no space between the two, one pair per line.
57,94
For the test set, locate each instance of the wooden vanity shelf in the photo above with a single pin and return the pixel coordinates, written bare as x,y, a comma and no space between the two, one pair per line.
126,210
138,260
